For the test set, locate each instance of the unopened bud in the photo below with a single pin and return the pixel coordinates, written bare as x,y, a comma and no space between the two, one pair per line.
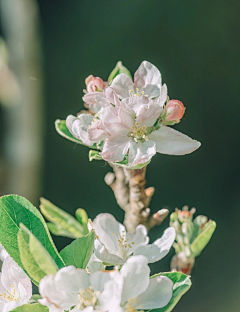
174,111
94,84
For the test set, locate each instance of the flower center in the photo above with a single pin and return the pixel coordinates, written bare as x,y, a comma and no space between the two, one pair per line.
124,245
88,297
138,93
138,133
11,294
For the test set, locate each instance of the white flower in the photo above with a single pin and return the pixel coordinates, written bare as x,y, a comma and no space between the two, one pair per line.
15,286
95,264
139,292
114,245
75,287
147,81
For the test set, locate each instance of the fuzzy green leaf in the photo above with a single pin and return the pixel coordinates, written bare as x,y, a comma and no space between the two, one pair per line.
34,257
79,252
203,238
14,210
62,129
62,222
181,284
36,307
119,69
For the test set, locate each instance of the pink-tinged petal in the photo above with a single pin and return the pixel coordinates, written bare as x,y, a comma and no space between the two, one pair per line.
111,95
104,255
171,142
148,114
157,295
112,121
159,249
122,84
97,132
132,104
115,148
125,119
140,153
148,78
89,98
102,100
136,278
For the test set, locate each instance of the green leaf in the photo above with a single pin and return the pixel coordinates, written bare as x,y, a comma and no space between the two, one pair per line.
94,155
181,284
203,238
79,252
63,223
34,257
82,217
62,129
119,69
14,210
36,307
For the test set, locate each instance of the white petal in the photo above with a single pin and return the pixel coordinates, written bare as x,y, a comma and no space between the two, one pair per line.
13,274
136,277
140,153
148,114
86,120
97,132
111,95
110,298
148,77
157,295
3,253
115,148
159,249
98,279
137,238
62,289
171,142
11,305
122,84
95,264
107,229
162,98
104,255
125,119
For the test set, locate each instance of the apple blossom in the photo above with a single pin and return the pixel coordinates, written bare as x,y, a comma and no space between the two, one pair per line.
72,287
114,245
136,135
15,286
139,292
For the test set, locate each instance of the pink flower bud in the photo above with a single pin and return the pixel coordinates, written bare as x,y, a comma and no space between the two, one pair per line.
94,84
174,111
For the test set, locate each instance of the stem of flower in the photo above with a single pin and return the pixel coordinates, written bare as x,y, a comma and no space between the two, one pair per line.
131,195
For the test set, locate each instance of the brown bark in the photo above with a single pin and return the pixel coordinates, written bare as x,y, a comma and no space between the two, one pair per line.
131,195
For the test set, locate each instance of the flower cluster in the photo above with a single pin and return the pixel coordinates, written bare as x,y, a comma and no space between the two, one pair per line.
127,290
130,119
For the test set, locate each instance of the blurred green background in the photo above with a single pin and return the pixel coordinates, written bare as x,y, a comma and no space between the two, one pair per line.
196,46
